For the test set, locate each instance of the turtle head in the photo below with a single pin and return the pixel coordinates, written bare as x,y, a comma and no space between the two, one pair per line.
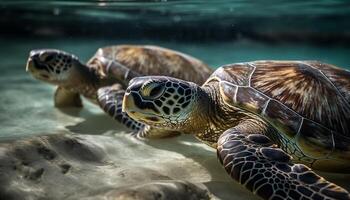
160,101
52,66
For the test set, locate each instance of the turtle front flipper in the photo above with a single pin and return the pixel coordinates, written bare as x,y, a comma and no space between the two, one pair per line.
64,98
110,99
255,162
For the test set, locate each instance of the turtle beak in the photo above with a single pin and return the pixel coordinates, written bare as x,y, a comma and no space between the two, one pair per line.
129,107
127,102
30,64
33,55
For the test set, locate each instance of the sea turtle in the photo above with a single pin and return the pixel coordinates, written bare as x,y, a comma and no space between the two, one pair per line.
270,121
105,76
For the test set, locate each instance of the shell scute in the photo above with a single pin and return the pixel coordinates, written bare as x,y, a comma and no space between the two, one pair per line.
228,92
238,73
250,99
284,119
315,140
339,77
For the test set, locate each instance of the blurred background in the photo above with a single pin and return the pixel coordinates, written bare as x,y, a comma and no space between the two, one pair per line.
217,32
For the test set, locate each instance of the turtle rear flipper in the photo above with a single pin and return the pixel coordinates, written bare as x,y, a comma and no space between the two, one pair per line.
255,162
64,98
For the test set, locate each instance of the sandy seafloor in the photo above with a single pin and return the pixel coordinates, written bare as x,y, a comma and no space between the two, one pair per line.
26,110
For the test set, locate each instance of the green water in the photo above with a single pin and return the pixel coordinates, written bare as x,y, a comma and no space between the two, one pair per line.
26,104
218,32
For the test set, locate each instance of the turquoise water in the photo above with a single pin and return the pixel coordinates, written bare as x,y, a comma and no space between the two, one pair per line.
218,32
26,105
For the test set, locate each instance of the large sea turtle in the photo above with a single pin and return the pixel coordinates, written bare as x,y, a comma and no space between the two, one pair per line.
105,76
269,120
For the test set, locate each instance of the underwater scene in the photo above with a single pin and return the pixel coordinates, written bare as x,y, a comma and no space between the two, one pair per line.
129,99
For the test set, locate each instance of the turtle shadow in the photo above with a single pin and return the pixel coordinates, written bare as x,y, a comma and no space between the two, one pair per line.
72,111
187,145
93,123
190,147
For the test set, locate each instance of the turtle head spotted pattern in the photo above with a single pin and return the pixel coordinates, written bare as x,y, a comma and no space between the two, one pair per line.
52,66
160,101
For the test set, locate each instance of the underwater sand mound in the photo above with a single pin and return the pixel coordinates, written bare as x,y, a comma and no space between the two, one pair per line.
68,166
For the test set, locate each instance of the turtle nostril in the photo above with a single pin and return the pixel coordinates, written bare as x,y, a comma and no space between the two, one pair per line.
128,91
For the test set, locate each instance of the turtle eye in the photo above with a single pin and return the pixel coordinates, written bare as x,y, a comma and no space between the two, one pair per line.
152,90
49,57
46,56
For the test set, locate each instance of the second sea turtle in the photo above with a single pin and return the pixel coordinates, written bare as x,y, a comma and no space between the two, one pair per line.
103,79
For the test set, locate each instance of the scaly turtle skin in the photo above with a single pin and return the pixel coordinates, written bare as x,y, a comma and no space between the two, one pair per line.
269,120
105,76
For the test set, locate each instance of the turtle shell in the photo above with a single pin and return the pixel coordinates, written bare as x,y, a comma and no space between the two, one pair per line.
306,101
153,60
